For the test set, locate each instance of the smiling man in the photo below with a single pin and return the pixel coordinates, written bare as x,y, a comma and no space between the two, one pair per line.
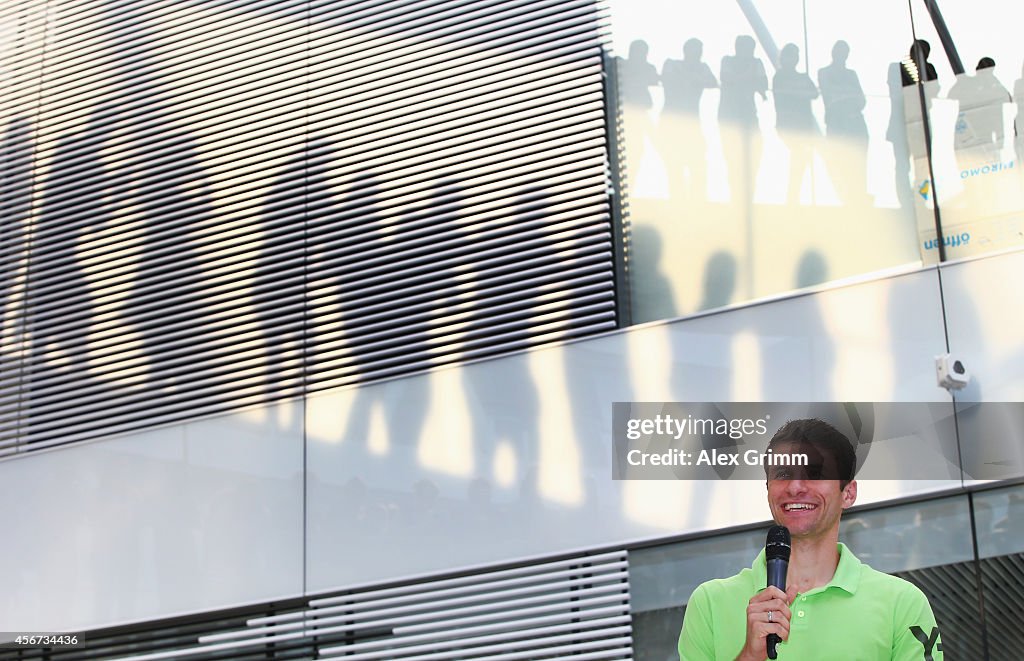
835,607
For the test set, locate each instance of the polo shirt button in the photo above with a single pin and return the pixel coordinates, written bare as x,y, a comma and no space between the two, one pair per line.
800,614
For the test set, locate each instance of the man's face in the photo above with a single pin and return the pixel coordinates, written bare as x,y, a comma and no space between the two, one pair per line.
809,507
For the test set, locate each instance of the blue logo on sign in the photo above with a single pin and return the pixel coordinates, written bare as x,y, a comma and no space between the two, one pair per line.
925,188
950,241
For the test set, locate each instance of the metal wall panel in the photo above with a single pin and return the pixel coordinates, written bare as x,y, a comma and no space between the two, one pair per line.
22,43
187,518
576,607
237,202
469,141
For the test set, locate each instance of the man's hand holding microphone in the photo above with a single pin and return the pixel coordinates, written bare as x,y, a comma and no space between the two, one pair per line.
768,612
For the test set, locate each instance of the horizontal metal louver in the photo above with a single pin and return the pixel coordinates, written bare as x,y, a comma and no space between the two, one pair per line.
576,607
471,136
22,43
952,591
213,205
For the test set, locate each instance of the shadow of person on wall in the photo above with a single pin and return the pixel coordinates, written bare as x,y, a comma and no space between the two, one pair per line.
60,295
995,96
348,248
980,99
682,144
636,76
896,135
811,270
793,92
16,155
742,77
719,281
392,324
652,291
845,127
807,346
280,290
126,219
502,395
170,284
719,286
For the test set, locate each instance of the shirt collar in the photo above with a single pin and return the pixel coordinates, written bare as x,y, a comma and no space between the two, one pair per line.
847,576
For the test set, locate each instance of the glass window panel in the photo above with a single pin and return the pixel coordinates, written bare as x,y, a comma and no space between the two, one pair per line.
929,544
896,539
999,518
975,122
764,146
662,578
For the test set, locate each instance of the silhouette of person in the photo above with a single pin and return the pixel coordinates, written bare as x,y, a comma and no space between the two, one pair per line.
144,179
334,262
15,211
980,98
639,75
719,281
978,132
345,237
845,127
719,284
439,283
793,92
685,80
503,397
652,290
811,270
896,135
386,338
279,297
59,328
995,95
173,200
15,206
636,78
914,69
742,77
808,340
916,62
684,147
15,181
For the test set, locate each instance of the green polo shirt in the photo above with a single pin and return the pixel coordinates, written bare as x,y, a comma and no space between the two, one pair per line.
861,614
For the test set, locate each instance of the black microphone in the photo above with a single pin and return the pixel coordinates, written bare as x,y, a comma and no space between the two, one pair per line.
776,553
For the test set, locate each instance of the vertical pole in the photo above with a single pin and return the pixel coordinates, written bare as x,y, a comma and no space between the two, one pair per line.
922,75
944,36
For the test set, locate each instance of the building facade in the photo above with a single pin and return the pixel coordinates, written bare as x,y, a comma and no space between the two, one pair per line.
314,313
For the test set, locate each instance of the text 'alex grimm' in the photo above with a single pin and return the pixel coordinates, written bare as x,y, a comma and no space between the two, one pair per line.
715,458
